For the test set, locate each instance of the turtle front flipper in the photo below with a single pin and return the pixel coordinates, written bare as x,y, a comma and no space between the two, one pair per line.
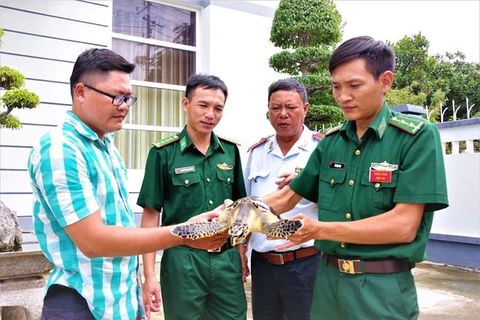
282,228
198,230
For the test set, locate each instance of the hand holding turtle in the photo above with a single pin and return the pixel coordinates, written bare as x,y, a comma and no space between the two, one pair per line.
307,232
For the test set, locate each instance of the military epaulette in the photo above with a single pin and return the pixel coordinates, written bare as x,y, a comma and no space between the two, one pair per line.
166,141
333,130
258,143
229,140
318,136
406,123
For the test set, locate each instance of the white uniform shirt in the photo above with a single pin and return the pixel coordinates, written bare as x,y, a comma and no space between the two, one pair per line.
265,163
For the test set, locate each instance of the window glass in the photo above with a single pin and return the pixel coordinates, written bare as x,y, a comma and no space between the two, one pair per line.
155,63
152,20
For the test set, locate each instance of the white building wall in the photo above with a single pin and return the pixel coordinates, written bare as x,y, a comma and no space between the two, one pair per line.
42,40
236,47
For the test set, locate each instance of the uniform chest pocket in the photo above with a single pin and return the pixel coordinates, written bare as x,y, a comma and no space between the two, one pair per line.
329,196
258,175
225,179
378,195
189,189
258,183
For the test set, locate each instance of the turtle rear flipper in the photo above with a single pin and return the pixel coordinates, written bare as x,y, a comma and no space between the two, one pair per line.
199,230
282,228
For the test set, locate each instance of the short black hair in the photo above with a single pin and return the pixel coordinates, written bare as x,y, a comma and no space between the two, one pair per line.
378,56
288,85
206,82
98,61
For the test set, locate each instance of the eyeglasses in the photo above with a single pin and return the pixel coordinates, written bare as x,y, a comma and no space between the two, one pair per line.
116,100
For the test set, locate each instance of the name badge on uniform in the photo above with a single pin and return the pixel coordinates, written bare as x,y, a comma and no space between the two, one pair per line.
336,165
184,170
224,166
381,172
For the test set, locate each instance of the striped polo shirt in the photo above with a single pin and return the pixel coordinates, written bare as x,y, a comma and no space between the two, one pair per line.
73,174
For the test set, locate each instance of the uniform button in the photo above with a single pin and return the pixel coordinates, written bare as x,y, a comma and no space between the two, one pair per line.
343,244
351,182
348,216
210,201
187,181
332,181
208,179
357,152
228,179
377,185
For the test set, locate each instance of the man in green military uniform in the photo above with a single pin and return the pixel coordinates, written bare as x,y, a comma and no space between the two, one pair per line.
377,180
186,174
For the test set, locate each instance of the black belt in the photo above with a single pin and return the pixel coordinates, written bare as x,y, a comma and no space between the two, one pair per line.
373,266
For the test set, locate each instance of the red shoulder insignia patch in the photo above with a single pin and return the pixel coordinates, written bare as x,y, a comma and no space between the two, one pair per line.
318,136
262,141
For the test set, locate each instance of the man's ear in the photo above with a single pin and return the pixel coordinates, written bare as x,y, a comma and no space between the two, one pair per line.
185,103
79,92
386,80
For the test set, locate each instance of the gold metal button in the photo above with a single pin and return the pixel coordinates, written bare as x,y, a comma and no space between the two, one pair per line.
208,179
332,181
228,179
377,185
357,152
210,201
351,182
187,181
343,244
348,216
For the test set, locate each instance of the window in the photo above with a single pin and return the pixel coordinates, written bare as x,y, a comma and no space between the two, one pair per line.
161,40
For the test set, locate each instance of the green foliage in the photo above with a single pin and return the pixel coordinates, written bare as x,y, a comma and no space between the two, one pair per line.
302,23
9,121
397,97
14,96
1,35
11,78
440,79
301,61
323,114
308,30
20,98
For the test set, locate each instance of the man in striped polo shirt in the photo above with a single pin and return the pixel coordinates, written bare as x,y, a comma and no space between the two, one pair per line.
81,216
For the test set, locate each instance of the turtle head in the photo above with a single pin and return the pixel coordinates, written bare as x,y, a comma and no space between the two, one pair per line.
238,232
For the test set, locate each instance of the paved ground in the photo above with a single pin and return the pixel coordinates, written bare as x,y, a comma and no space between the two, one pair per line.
444,293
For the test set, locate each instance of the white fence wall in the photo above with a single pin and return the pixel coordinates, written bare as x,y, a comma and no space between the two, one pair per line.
462,217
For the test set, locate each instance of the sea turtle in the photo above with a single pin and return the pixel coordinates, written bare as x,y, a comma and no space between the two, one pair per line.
240,218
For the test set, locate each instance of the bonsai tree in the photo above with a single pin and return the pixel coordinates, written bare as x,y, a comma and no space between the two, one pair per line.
15,96
308,31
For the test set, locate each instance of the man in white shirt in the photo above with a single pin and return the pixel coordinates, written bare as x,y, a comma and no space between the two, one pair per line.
282,282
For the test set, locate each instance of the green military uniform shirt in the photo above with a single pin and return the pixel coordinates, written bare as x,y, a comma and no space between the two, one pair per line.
184,182
338,177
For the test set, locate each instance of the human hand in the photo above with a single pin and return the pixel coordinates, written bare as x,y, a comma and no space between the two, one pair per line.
242,251
307,232
284,179
151,295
